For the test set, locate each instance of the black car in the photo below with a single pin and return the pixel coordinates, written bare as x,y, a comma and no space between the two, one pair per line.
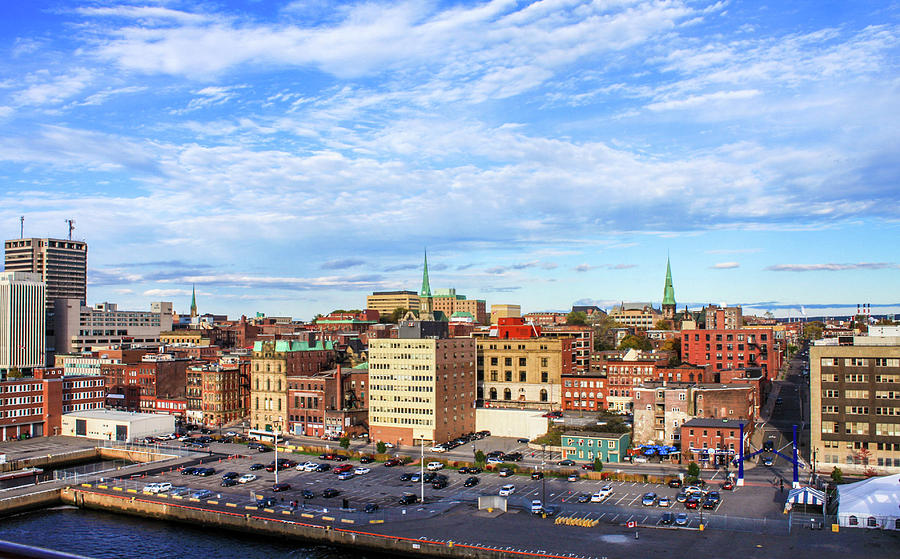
339,458
189,471
265,502
471,482
464,470
408,499
371,507
566,462
281,487
475,471
513,457
264,448
439,484
205,472
366,460
676,483
229,482
584,498
329,493
429,477
307,494
323,467
523,440
257,466
231,475
667,518
537,475
405,476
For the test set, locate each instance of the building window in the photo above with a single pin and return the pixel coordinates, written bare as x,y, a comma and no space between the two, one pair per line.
545,376
493,394
508,376
543,395
507,394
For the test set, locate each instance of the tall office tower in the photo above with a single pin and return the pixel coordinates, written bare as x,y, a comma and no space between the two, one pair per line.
21,322
61,263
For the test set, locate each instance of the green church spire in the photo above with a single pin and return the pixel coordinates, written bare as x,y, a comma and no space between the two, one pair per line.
669,291
426,286
193,301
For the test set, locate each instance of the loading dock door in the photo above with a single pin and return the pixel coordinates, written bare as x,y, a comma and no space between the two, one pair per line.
121,432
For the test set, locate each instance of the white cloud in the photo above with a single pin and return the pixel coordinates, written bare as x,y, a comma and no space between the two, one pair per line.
725,265
47,89
165,292
831,267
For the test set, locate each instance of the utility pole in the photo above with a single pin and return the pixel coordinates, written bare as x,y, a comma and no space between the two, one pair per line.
422,468
543,476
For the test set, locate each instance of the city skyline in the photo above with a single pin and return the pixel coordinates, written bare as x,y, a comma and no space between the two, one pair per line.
293,157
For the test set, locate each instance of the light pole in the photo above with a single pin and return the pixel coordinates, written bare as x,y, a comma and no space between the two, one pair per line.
275,440
422,469
543,476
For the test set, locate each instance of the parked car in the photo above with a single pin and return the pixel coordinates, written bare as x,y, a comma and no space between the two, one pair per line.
428,477
513,457
566,463
537,475
360,471
264,502
345,475
366,459
495,460
434,466
203,472
408,499
536,506
587,467
307,494
189,471
664,502
151,488
505,472
649,499
371,508
343,468
439,483
228,482
281,487
438,448
572,477
507,490
681,519
231,475
323,467
584,498
667,518
246,478
180,491
675,483
257,466
728,485
471,482
202,494
681,497
692,503
329,493
392,462
602,495
522,440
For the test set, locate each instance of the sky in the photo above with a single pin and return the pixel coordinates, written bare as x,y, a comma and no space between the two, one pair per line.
291,157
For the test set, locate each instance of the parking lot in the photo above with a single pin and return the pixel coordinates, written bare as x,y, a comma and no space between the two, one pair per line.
382,487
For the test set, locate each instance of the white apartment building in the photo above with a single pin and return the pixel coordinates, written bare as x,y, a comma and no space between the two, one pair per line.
22,321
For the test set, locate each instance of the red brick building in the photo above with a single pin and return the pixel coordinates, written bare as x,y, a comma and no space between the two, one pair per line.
157,376
584,392
32,407
582,343
731,349
713,441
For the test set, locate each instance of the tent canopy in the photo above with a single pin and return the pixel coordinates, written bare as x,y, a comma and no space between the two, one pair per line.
806,496
876,497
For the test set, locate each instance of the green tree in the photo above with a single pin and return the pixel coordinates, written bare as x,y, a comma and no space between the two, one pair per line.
598,464
381,447
662,324
673,345
15,372
397,314
480,457
636,342
344,442
693,470
837,475
813,330
576,318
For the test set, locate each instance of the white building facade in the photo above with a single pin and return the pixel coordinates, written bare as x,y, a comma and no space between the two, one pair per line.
22,321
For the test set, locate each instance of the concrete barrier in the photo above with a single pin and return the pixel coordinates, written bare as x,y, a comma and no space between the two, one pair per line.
30,501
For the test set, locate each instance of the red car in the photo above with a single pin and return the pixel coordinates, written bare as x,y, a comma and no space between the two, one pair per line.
342,468
728,485
281,487
692,503
392,462
587,467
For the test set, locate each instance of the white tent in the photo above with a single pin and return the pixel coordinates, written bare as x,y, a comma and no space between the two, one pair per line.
871,503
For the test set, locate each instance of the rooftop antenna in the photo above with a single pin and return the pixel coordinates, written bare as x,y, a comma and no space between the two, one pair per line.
71,223
22,227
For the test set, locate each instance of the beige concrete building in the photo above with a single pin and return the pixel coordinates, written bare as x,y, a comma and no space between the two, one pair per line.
523,373
80,327
855,405
421,389
637,315
448,302
386,301
505,311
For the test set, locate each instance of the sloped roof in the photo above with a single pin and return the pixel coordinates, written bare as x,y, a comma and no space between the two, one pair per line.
876,496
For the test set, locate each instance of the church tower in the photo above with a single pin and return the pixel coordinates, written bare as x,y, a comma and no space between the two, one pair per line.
193,302
425,302
668,302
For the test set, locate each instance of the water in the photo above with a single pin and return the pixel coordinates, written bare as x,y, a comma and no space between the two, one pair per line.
106,535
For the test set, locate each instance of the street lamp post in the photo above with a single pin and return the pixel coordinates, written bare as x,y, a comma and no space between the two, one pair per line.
543,476
422,469
275,441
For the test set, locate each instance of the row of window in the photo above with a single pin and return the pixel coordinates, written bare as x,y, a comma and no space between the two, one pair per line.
80,407
19,387
507,394
860,362
22,412
862,394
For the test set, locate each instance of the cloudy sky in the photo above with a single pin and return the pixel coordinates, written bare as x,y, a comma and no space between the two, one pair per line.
291,157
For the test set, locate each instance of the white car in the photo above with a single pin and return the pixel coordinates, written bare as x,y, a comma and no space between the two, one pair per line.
507,490
231,434
439,448
361,471
246,478
602,495
537,507
169,437
434,466
151,488
310,467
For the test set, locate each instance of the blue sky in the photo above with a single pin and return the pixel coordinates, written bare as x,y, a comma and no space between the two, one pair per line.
291,157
